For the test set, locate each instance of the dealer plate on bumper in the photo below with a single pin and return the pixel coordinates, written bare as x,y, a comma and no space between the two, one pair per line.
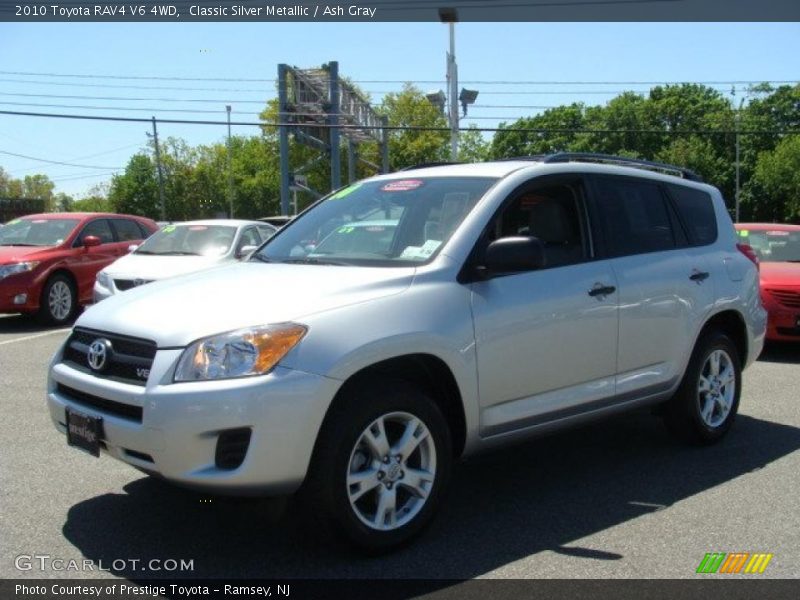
84,431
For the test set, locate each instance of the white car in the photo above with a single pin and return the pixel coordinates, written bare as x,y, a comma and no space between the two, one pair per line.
180,248
481,304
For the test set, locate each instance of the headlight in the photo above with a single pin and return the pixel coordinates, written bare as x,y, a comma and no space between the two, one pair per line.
22,267
241,353
103,279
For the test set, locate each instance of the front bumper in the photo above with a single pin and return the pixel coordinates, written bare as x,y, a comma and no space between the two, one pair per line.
179,426
10,291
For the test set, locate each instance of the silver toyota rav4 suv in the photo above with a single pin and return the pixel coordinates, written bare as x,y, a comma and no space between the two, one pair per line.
413,318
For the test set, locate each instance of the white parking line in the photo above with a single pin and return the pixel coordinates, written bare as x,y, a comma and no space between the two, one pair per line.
33,337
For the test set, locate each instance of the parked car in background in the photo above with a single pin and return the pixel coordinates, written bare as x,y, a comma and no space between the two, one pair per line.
48,262
277,220
778,250
181,248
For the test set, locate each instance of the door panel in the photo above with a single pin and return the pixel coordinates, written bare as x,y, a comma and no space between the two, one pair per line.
541,332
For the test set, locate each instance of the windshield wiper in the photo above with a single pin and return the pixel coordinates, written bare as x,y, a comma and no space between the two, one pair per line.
260,258
5,244
313,261
178,253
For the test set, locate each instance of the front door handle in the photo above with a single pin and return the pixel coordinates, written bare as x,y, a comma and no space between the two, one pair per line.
602,290
699,276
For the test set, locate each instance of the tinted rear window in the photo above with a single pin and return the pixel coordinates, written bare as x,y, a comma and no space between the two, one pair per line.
635,216
696,209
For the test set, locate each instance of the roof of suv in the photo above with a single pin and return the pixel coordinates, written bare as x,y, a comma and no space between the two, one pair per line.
589,161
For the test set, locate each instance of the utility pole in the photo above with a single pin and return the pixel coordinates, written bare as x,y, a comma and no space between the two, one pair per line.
452,84
230,172
738,118
160,174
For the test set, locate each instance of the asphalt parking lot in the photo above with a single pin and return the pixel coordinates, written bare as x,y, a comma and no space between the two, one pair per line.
618,499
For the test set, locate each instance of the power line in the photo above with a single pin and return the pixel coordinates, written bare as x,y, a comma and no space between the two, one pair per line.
406,127
128,99
56,162
402,81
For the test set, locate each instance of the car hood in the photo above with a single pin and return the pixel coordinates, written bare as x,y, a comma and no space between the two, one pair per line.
780,273
177,311
11,254
150,268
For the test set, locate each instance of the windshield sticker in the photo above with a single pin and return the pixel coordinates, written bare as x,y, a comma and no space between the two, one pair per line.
778,232
423,252
198,228
39,221
744,232
169,229
345,229
345,192
402,185
14,222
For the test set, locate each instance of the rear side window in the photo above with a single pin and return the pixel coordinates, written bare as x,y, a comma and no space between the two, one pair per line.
127,230
696,210
634,216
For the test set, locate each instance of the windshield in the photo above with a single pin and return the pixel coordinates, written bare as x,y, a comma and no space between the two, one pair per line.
36,232
379,223
773,245
190,240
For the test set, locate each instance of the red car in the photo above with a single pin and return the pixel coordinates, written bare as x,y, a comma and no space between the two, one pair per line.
48,262
778,250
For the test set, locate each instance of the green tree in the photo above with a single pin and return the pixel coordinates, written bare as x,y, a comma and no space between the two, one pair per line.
773,194
558,129
135,191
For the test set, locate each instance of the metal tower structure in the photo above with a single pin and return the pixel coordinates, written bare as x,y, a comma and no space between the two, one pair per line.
320,110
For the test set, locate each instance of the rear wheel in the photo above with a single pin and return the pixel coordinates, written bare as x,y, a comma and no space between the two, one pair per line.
381,465
705,405
59,300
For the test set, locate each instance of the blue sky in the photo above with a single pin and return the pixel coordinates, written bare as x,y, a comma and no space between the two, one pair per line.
367,52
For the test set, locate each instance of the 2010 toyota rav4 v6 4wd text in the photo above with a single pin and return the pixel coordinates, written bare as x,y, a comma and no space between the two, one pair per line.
412,318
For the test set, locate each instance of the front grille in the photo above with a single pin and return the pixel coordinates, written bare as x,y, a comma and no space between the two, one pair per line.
787,298
110,407
126,284
231,448
129,360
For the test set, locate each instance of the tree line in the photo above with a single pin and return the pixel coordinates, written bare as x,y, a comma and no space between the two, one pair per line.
690,125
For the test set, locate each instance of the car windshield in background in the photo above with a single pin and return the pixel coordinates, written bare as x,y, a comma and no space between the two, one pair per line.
190,240
379,223
36,232
776,245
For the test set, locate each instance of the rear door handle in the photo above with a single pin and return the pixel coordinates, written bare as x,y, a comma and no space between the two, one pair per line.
602,290
699,276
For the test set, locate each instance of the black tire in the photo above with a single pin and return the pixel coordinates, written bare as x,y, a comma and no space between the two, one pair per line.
340,448
686,414
59,301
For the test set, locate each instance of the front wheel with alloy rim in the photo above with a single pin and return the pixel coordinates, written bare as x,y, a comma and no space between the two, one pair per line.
381,464
59,300
705,405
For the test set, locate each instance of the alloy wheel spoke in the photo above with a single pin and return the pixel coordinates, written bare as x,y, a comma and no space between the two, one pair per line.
385,514
413,435
705,385
366,482
713,361
414,481
708,408
375,437
727,376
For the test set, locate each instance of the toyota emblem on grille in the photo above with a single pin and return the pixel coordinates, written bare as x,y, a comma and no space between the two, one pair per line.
99,351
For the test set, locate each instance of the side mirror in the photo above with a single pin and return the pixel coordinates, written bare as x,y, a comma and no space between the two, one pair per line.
91,240
245,251
133,247
514,254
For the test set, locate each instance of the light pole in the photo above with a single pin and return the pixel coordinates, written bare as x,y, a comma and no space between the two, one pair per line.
230,172
737,118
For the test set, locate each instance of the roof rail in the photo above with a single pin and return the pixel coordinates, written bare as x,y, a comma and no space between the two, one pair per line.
441,163
622,161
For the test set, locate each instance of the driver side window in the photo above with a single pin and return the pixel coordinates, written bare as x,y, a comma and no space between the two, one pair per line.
553,213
